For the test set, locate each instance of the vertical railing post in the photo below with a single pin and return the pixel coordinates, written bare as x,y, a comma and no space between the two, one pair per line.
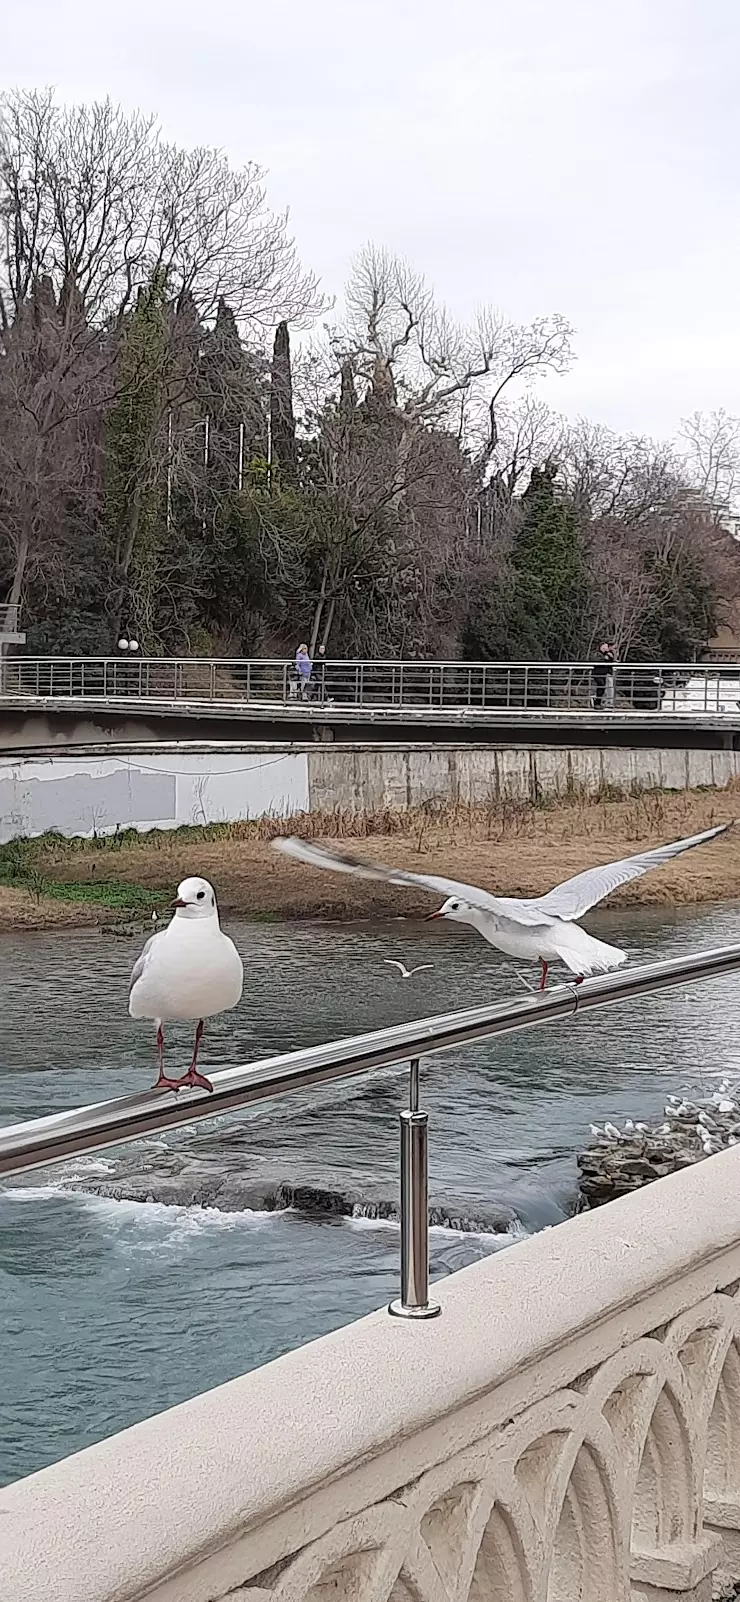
414,1299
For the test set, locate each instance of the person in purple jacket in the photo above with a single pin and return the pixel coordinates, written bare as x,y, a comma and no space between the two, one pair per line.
303,667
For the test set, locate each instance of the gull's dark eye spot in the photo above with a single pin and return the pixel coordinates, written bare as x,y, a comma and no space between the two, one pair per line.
455,906
201,896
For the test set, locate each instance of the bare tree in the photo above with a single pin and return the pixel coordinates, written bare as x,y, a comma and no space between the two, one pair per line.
621,586
91,196
712,452
405,444
427,367
627,477
94,207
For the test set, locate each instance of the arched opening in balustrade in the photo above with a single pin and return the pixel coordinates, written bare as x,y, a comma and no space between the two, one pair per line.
663,1509
501,1571
585,1558
722,1464
446,1528
351,1577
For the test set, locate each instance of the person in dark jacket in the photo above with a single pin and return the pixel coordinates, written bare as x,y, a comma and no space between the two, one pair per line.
602,673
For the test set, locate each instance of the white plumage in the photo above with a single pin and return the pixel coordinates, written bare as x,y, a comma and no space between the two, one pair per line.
406,973
190,969
541,928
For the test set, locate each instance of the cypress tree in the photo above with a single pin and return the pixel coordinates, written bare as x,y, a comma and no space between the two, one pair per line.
538,612
133,495
282,421
549,589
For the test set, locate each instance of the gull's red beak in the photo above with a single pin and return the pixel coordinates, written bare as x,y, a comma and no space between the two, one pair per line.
179,902
429,915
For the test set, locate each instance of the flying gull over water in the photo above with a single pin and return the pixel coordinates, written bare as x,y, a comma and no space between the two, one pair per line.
406,973
190,969
541,928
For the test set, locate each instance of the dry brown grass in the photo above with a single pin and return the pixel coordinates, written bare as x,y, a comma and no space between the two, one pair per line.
19,910
515,848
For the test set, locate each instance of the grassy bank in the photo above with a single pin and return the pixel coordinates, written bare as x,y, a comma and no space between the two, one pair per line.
515,847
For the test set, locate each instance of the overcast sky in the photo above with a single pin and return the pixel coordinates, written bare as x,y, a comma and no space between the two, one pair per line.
578,156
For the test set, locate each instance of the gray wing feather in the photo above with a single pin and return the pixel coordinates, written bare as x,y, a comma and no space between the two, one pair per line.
574,897
321,856
142,960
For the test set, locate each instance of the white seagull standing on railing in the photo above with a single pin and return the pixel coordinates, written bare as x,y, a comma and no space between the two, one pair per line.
541,928
188,970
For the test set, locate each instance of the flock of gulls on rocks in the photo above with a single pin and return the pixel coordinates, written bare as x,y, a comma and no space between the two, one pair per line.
713,1120
191,970
621,1160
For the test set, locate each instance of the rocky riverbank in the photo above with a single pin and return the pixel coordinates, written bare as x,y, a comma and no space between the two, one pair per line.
620,1160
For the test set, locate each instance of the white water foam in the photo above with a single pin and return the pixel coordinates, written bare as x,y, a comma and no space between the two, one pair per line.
169,1223
508,1237
146,1226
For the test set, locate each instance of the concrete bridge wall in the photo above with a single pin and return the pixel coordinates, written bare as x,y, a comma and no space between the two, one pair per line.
86,792
31,722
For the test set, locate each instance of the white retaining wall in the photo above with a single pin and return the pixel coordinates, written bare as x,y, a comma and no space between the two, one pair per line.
81,795
567,1431
162,787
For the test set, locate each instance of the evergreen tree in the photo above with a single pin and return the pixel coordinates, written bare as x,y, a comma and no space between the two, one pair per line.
282,421
539,613
549,592
134,488
231,395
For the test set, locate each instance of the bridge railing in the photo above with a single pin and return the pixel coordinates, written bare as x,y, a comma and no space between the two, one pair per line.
568,1427
385,686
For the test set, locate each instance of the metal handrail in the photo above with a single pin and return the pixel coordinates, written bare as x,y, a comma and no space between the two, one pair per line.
384,688
420,663
86,1129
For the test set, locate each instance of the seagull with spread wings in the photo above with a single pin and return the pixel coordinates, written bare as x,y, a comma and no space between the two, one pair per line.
406,973
541,928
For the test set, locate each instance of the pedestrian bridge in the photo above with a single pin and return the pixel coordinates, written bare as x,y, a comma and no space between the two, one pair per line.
566,1430
93,700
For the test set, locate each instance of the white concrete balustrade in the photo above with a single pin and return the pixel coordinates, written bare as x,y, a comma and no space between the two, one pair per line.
567,1431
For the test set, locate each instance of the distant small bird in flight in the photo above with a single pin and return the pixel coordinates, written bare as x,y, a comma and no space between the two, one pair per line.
541,928
190,969
406,973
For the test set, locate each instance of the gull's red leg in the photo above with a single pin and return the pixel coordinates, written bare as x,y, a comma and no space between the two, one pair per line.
192,1077
163,1083
545,967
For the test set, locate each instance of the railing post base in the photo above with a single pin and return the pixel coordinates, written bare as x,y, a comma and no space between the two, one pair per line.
398,1309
